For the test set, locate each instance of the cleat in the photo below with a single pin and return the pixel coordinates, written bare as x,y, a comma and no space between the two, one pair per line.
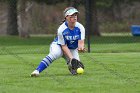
35,73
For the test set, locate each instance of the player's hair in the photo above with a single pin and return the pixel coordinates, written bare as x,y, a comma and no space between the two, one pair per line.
63,20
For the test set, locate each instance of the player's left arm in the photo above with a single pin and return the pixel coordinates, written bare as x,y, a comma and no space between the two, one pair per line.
81,45
81,41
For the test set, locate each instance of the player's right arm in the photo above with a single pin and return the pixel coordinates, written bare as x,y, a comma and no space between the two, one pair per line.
62,42
66,51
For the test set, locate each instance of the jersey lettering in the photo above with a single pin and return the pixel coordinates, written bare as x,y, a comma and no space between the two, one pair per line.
72,37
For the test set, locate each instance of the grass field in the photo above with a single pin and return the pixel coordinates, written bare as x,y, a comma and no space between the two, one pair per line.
113,66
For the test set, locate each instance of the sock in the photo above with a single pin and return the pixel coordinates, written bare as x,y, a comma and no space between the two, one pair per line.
45,63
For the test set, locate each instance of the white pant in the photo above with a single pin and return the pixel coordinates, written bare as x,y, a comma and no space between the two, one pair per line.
56,52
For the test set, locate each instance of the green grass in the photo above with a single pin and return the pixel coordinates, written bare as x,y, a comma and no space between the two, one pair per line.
111,67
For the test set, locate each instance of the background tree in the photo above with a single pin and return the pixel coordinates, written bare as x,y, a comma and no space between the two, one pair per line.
12,17
91,17
49,2
23,21
95,29
74,3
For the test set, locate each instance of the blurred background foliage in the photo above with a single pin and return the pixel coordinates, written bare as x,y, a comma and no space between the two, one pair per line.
27,17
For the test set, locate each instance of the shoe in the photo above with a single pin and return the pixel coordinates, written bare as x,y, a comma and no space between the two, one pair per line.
35,73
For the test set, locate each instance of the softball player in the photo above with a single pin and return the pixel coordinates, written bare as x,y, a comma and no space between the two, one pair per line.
69,40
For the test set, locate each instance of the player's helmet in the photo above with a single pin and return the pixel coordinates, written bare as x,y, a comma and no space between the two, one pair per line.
70,11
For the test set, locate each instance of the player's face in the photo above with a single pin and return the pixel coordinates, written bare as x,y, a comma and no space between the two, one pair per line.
72,18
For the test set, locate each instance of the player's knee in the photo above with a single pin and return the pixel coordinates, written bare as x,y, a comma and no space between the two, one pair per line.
56,55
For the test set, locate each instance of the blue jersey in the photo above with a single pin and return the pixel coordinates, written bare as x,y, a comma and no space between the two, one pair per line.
66,36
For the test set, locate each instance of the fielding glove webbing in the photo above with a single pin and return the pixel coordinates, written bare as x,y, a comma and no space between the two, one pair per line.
73,65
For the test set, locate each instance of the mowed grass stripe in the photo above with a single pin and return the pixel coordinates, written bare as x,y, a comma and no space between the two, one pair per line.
104,73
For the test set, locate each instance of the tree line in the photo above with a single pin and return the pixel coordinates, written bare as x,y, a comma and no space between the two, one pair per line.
18,26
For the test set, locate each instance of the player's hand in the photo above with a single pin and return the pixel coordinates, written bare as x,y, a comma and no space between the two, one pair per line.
82,49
